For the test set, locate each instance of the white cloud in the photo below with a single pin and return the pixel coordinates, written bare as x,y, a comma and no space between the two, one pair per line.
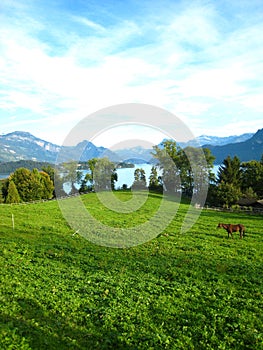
236,127
124,136
254,102
87,22
184,61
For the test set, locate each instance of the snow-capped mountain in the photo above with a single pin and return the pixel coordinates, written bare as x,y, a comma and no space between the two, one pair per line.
20,145
216,140
251,149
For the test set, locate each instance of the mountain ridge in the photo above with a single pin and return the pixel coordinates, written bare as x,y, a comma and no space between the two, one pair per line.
216,140
251,149
21,145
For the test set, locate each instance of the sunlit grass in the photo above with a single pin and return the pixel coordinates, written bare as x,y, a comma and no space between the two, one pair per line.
198,290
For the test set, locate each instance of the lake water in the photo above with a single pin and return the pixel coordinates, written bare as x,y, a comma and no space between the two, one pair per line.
126,175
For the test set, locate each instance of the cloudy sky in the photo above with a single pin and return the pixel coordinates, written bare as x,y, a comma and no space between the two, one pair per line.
63,60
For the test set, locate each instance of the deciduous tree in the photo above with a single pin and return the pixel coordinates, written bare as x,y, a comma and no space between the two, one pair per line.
139,179
30,185
103,174
154,180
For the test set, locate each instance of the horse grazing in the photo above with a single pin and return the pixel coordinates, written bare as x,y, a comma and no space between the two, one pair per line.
230,228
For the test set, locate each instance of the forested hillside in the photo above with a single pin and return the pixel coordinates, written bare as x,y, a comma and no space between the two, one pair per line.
252,149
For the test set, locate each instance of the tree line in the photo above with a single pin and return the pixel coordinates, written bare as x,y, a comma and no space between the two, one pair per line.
26,185
9,167
186,171
237,182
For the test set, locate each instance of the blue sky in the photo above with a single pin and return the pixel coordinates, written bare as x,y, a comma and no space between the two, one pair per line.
62,60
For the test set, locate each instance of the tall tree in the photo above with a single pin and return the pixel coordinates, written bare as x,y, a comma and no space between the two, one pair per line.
184,169
230,172
36,185
56,179
154,180
72,175
89,176
104,174
168,161
23,180
50,171
47,185
196,166
252,177
12,194
139,179
229,181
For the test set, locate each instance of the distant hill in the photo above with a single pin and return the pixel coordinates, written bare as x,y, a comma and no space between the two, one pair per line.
135,154
251,149
84,151
9,167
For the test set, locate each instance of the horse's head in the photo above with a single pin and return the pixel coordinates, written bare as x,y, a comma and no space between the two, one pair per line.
219,225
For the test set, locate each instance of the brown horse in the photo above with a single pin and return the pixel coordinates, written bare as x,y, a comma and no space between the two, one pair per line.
230,228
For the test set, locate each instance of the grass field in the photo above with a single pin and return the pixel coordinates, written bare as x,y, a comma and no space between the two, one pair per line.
197,290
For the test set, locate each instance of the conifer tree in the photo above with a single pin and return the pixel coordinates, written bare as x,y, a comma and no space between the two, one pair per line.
139,179
230,172
12,194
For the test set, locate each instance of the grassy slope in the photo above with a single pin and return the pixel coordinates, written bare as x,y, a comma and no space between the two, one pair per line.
197,290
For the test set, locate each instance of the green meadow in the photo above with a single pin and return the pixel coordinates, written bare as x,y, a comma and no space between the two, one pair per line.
193,290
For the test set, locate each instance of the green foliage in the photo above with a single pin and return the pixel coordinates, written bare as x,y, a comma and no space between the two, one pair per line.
236,180
102,175
249,194
12,194
230,172
187,170
47,185
252,177
168,160
30,185
139,179
196,166
199,290
50,171
155,181
228,194
24,181
71,174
